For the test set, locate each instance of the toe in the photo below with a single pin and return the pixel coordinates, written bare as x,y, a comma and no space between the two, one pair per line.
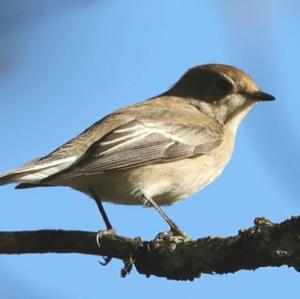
100,234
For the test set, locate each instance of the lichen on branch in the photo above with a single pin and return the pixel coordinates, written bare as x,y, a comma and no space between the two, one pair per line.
264,244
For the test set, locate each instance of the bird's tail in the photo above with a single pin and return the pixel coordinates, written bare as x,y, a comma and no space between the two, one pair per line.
14,176
7,178
34,172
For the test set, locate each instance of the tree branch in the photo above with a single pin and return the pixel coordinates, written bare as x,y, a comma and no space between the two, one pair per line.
265,244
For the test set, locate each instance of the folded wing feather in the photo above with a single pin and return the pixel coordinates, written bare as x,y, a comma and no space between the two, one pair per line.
138,143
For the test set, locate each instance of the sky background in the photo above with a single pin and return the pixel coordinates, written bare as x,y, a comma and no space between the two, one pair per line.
65,64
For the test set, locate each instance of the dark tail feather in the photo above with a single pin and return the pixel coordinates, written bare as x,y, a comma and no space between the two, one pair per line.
28,185
8,178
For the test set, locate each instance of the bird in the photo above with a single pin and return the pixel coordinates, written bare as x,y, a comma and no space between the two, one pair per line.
156,152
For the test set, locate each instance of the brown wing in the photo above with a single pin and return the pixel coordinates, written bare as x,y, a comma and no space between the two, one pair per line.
138,143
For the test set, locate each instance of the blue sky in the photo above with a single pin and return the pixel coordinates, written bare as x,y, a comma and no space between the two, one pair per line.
65,64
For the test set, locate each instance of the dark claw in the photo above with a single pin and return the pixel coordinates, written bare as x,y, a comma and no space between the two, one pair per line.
106,259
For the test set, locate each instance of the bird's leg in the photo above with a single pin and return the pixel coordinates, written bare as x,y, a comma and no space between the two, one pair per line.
109,228
175,230
108,225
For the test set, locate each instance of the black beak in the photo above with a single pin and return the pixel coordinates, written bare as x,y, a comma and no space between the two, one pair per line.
260,96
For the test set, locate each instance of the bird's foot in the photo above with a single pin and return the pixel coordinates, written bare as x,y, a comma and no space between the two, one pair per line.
173,235
100,234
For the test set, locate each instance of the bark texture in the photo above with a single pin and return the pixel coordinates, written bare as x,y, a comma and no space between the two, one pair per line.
264,244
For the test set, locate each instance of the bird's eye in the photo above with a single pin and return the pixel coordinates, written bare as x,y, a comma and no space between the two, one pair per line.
223,85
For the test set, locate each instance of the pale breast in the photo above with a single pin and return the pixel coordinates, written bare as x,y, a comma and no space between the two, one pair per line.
166,183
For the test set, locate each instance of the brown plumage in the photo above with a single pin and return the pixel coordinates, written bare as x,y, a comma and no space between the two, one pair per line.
162,150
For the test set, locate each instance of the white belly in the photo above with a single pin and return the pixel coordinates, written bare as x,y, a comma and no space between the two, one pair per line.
166,183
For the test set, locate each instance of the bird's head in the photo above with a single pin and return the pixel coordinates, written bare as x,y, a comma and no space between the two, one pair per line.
221,91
